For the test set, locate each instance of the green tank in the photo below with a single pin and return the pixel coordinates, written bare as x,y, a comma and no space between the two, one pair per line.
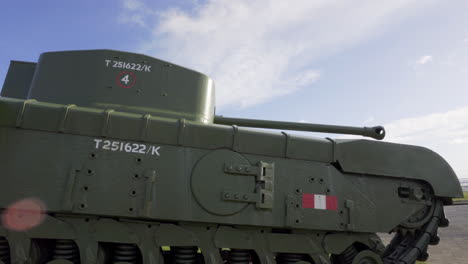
116,157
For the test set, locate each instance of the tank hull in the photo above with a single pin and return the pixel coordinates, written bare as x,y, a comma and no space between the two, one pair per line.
205,186
68,174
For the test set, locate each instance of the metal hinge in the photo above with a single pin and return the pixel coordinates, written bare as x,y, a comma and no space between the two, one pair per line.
265,174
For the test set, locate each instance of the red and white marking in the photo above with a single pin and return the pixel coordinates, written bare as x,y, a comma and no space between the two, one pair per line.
319,201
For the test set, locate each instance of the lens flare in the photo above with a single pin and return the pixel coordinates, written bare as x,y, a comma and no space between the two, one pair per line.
24,214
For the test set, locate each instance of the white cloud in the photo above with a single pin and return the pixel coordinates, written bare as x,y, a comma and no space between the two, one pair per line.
305,78
135,19
445,133
258,50
436,127
460,141
137,13
132,4
424,59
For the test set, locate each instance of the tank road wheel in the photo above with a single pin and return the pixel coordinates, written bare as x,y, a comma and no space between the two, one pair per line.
367,257
356,254
346,257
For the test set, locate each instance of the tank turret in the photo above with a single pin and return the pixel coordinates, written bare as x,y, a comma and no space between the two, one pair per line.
107,79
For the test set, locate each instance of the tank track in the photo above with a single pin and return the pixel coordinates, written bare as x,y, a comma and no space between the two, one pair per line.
412,246
73,239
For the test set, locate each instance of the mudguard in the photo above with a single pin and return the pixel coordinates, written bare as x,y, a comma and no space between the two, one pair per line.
398,160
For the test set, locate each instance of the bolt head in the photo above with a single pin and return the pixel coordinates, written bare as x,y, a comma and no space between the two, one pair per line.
418,193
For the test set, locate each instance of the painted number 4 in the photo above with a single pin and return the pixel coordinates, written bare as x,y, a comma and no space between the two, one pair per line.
126,79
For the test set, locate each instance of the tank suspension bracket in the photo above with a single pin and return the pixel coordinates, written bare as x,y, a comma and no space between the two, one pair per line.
264,173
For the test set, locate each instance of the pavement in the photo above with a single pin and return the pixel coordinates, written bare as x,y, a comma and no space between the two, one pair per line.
453,246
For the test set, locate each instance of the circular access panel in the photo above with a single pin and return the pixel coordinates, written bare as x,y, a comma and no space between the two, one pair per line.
209,181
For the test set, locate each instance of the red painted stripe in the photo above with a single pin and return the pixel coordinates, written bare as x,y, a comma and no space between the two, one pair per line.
332,203
308,200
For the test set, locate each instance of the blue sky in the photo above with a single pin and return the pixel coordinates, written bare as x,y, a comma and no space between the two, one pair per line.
402,64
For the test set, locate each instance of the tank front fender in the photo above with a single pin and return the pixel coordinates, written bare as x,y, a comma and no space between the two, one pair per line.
398,160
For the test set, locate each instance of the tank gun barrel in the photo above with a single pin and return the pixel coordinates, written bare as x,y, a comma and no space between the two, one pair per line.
377,132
